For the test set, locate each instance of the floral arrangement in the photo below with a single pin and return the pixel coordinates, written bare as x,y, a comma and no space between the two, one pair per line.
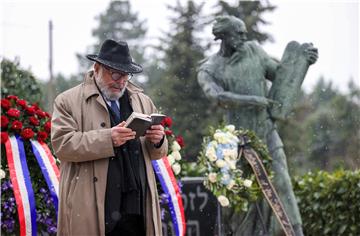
176,144
227,175
28,121
19,117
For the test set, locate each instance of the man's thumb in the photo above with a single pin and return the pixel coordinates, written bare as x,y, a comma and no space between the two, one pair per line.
122,124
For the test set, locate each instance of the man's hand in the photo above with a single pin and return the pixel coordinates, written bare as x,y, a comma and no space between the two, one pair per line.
311,54
155,134
120,134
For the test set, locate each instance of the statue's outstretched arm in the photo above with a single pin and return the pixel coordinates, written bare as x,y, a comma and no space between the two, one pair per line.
225,98
229,99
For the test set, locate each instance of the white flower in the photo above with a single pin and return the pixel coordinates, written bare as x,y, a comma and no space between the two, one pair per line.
231,138
220,137
224,201
230,128
176,155
231,184
176,168
171,159
220,163
211,154
223,140
175,146
226,138
2,174
232,165
247,183
212,177
231,153
213,144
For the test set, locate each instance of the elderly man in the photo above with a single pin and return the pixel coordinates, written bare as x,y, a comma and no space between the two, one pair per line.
236,77
107,184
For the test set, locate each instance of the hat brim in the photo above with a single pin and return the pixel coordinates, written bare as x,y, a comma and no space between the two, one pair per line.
133,67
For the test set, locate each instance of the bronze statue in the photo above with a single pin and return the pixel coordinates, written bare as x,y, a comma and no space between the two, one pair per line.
236,77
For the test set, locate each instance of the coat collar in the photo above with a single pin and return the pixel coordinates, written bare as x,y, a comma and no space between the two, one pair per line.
91,89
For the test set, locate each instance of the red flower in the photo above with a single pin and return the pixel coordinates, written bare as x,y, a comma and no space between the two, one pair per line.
168,132
40,113
34,121
36,106
47,115
30,110
41,136
21,103
27,133
180,141
4,121
4,137
12,112
5,104
47,126
12,97
16,125
166,122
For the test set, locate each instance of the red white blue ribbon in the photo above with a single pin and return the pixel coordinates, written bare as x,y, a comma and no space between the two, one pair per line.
170,187
48,167
20,179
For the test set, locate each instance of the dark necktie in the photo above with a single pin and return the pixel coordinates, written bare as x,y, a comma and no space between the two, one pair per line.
116,111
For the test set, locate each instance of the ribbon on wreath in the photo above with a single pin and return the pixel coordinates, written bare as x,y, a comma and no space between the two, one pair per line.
23,191
170,187
265,185
48,168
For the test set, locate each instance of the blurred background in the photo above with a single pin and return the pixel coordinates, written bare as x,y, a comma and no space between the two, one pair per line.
43,46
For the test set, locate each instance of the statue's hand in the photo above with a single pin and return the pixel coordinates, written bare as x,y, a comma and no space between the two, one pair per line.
264,102
229,98
311,54
272,102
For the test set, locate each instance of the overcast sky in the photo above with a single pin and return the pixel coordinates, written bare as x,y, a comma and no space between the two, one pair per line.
333,27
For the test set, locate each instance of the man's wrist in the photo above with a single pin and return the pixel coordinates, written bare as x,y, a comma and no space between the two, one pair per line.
158,145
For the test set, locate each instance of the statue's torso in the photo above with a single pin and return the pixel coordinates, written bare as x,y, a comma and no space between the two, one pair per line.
244,77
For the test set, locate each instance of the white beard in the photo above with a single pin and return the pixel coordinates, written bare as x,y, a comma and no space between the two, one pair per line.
109,95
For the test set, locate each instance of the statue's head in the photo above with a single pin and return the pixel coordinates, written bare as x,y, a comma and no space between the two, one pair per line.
231,30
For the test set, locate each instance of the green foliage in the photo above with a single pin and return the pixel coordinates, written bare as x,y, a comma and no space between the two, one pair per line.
324,129
177,92
251,13
18,81
329,202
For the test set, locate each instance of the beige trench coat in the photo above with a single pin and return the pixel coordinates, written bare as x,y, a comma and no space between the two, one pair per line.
81,139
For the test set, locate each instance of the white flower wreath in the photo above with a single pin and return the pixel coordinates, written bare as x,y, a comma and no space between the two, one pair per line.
228,176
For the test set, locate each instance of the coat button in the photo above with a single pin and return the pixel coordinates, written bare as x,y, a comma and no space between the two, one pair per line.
102,124
95,179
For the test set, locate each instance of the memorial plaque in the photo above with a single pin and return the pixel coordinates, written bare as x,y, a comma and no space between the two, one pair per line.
202,212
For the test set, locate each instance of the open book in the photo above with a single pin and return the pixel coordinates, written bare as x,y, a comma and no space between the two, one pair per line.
141,122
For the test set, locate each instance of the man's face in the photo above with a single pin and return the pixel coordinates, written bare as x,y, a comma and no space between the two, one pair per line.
111,89
235,38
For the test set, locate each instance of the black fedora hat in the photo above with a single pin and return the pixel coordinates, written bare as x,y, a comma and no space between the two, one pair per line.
116,55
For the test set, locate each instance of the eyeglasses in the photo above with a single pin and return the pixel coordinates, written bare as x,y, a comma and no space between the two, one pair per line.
117,75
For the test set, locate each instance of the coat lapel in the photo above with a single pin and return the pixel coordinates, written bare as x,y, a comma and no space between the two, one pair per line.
135,100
